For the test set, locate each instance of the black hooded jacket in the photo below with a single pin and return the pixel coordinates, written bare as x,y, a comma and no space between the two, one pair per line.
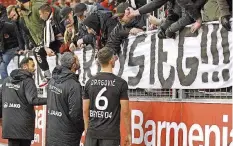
18,96
65,123
9,36
121,32
102,22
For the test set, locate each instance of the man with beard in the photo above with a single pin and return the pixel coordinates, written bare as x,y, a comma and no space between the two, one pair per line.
65,118
18,96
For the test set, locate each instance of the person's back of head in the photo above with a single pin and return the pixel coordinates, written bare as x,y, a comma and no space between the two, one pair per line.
106,57
45,8
27,64
27,69
70,60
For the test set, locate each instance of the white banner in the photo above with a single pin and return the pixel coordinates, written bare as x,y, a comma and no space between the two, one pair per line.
191,61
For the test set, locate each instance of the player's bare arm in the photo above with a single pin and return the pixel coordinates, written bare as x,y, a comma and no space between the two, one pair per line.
127,120
86,103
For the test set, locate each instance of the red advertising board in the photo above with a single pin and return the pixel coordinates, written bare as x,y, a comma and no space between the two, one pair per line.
169,124
180,124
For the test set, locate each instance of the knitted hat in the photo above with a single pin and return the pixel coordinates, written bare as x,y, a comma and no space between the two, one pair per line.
24,1
79,9
120,9
92,21
64,13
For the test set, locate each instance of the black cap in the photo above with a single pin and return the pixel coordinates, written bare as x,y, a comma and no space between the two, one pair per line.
92,21
23,1
64,13
79,9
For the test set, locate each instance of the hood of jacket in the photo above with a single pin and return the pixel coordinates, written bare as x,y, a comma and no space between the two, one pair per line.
61,74
19,75
91,9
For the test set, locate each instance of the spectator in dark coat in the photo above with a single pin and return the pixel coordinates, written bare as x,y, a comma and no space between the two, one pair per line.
10,45
18,95
101,24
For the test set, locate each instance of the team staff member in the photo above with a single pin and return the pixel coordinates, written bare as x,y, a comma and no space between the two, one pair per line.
65,117
19,95
106,97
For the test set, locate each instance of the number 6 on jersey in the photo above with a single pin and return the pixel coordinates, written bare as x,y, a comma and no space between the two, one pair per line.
99,98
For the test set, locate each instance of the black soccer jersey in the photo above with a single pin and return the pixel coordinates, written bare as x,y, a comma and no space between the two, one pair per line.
105,90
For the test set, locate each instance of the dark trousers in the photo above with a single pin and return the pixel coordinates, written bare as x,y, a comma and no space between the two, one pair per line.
101,142
41,55
19,142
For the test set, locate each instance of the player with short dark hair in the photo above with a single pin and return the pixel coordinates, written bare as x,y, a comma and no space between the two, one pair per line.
106,97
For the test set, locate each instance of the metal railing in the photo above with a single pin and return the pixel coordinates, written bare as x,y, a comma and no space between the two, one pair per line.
178,95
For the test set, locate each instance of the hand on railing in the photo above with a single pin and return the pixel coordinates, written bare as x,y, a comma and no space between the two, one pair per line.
135,31
196,25
225,21
49,52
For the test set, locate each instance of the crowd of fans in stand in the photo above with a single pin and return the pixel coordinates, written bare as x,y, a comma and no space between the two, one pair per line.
51,27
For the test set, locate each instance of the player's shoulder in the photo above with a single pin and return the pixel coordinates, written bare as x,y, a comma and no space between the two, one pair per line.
120,80
92,78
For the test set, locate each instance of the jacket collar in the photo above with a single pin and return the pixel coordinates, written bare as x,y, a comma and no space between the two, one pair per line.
29,11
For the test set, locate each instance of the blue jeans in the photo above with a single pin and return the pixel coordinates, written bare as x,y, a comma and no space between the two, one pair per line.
7,56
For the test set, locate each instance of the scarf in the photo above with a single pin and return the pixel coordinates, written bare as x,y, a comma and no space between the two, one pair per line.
48,32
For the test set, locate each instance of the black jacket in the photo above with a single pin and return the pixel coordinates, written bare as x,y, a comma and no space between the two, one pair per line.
58,27
121,32
10,36
107,24
3,13
230,4
152,6
65,123
18,96
138,3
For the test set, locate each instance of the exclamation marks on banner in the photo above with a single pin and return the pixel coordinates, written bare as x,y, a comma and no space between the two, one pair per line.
215,53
